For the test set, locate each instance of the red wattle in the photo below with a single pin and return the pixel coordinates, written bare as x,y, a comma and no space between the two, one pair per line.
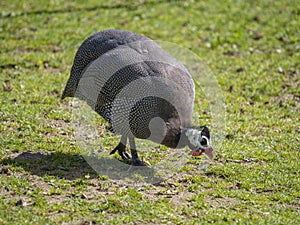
196,152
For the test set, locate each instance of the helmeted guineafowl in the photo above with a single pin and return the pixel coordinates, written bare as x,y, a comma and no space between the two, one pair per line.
139,89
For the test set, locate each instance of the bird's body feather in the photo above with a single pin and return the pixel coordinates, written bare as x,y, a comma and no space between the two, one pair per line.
141,90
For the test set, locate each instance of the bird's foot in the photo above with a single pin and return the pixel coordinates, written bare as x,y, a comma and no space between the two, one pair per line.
121,148
138,162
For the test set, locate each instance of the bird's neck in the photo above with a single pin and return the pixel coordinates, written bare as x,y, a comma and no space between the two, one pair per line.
175,138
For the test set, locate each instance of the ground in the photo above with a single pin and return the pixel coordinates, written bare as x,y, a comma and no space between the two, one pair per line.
251,47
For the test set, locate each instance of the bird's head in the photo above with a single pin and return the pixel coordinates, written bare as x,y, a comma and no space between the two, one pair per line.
199,142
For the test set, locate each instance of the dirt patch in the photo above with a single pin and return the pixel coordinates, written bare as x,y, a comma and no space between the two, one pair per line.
224,202
287,100
60,127
291,206
180,198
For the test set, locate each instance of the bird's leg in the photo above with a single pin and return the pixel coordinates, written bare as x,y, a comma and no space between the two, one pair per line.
121,148
135,161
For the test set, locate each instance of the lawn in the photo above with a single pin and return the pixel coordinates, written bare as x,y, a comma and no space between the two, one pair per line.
251,48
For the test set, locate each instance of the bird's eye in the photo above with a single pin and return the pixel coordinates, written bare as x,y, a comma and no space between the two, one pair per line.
204,141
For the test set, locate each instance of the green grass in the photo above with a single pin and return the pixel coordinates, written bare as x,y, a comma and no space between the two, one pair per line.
253,49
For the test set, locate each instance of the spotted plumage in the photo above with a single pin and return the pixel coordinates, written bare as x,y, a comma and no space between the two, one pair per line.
138,88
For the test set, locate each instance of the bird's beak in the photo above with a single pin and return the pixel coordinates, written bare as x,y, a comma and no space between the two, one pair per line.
208,151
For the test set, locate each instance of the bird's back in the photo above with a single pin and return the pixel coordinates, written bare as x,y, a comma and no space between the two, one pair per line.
92,48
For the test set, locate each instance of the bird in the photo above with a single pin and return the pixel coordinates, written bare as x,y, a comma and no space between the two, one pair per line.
140,90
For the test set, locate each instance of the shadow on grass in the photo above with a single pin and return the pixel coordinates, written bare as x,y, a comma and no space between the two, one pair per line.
87,9
62,165
74,166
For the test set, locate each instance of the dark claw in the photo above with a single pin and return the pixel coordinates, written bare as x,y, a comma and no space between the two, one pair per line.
125,155
134,155
121,148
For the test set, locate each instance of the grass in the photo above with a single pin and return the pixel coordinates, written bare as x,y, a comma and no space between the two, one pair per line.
253,49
